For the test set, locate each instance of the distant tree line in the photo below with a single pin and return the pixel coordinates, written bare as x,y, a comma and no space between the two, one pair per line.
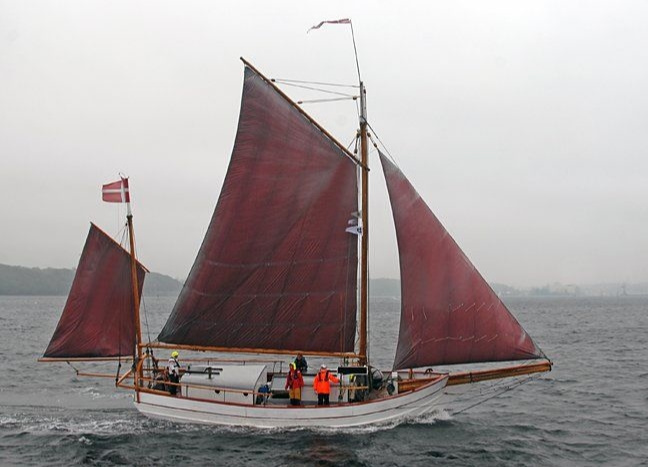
18,280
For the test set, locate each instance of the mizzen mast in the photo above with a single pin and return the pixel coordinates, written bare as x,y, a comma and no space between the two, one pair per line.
138,374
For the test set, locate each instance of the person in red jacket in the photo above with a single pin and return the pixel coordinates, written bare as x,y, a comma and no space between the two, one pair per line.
322,385
294,383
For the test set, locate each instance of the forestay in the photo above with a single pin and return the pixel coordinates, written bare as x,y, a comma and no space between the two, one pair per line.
449,313
276,270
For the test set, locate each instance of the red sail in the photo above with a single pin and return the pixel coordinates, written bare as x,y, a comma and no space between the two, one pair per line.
276,270
98,319
449,313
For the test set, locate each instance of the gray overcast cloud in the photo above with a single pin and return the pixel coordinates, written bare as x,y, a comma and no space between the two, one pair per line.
520,123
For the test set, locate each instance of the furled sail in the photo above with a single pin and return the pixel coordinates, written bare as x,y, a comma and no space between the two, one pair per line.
449,313
98,319
277,269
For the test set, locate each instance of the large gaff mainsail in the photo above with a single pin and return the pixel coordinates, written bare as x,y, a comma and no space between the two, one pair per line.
449,313
98,320
277,269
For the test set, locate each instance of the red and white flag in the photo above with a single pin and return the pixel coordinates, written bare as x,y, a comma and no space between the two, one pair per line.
116,192
333,21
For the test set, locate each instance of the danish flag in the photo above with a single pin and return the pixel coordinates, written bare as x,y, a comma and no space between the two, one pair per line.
116,192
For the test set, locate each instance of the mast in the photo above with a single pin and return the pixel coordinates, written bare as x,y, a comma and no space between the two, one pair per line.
364,267
136,301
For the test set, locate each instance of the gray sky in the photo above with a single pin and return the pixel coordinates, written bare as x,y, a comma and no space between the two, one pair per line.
520,123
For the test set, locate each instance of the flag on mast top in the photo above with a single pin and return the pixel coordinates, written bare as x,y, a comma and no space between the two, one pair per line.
342,21
333,21
116,192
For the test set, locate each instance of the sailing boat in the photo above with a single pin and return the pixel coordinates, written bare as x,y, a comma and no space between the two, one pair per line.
281,272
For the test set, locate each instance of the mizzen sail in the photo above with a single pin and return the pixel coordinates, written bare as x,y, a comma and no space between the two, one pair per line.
277,269
449,313
98,319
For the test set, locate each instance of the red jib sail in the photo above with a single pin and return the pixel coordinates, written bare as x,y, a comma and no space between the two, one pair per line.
277,269
449,313
98,319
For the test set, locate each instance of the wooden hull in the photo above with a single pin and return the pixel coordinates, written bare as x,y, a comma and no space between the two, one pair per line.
412,403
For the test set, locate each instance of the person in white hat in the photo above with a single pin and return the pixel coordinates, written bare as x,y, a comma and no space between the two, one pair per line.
322,385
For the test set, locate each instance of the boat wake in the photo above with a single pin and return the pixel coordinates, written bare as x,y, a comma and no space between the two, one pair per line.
89,423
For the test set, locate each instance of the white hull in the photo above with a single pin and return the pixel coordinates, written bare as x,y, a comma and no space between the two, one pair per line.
413,403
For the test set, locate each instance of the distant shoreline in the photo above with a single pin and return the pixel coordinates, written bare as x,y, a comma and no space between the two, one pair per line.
23,281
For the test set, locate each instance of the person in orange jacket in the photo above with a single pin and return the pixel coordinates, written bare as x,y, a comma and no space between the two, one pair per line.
294,383
322,385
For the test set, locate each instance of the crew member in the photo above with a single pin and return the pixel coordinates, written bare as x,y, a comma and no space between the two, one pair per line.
322,385
173,370
301,363
294,383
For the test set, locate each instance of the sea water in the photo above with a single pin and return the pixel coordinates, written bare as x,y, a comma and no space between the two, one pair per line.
592,409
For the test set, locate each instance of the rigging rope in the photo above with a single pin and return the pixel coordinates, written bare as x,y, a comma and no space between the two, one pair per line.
118,369
354,140
73,367
315,101
355,51
346,300
319,83
507,388
382,144
122,233
142,301
326,91
146,323
368,305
